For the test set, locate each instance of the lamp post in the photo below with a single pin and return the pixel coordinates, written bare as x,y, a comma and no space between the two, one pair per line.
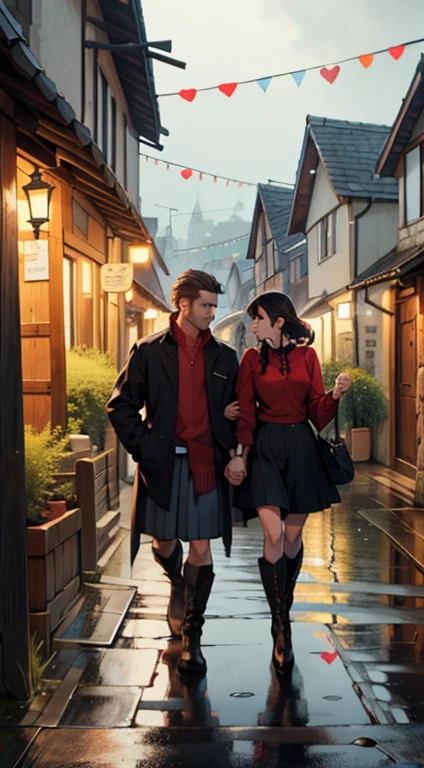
38,193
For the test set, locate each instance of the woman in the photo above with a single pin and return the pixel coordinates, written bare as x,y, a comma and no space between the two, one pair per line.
279,389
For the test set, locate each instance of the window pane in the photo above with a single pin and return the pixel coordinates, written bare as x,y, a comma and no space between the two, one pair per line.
68,302
323,238
413,185
105,115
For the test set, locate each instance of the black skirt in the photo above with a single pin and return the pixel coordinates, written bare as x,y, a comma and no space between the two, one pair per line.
190,515
285,470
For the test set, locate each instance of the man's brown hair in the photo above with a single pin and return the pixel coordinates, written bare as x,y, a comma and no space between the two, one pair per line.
189,284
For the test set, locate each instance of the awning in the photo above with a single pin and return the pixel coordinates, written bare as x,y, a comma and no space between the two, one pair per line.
47,128
393,264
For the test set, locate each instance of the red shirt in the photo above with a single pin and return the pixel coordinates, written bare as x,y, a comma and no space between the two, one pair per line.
281,397
193,424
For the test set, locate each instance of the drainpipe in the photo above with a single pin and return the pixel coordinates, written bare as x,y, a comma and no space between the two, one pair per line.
83,24
357,217
376,306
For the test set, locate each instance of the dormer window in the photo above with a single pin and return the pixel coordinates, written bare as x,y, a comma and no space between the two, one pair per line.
413,197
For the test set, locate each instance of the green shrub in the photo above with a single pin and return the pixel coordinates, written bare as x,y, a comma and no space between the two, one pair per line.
90,376
44,452
366,403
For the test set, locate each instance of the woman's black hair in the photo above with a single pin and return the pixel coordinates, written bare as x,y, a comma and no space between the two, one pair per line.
277,304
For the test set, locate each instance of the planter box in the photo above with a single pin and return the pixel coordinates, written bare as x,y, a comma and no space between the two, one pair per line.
360,444
54,572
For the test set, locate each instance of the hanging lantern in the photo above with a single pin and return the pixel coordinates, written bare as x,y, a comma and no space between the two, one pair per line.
139,254
38,193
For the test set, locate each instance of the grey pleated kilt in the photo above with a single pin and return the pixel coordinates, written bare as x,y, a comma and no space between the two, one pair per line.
190,515
286,471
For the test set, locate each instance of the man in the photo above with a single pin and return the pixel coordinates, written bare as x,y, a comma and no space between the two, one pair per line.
185,378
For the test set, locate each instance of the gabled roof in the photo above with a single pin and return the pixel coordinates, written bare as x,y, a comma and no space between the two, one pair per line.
400,135
276,203
349,152
125,24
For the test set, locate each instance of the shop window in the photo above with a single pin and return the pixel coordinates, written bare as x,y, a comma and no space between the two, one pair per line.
413,205
327,236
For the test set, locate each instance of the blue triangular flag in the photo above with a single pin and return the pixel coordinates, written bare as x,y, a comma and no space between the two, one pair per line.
264,83
298,76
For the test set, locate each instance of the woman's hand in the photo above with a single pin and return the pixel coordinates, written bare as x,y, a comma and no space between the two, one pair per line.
235,471
232,411
343,384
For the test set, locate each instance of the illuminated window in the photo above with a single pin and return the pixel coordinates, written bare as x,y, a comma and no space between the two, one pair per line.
343,310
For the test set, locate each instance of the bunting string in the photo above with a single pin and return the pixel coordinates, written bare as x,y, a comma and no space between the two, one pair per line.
187,173
197,248
329,72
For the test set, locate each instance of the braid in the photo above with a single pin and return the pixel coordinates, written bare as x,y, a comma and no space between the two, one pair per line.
264,356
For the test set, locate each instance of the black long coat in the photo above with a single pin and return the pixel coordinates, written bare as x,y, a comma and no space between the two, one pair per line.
150,378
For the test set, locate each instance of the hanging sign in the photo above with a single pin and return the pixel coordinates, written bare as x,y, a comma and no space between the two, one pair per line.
36,260
116,278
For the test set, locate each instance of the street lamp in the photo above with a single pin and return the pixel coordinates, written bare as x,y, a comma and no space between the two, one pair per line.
139,254
150,314
38,193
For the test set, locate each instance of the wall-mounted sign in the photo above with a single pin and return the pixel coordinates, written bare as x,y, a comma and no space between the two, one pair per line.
116,278
370,329
370,343
36,260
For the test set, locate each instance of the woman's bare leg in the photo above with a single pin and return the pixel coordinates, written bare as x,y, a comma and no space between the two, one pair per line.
272,526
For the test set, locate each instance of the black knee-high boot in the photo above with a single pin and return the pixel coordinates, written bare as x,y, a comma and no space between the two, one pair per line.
274,580
172,567
198,584
294,565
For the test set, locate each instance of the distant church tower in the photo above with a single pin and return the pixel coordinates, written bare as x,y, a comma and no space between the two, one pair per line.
196,227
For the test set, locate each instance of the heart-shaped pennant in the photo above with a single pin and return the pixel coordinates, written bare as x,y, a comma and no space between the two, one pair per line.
188,95
329,657
298,77
187,173
228,88
330,74
366,60
397,51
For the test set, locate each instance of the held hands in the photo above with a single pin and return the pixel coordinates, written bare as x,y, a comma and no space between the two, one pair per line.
232,411
343,384
235,471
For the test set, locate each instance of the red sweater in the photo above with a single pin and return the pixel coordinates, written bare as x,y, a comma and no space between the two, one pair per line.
193,424
282,398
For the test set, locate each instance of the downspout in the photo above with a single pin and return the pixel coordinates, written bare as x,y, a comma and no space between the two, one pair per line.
357,217
83,24
376,306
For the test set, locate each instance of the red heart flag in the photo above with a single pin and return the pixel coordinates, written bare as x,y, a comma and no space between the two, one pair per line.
187,173
330,74
329,657
397,51
228,88
188,95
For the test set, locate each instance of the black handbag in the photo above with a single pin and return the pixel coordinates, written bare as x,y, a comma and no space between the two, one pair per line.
336,457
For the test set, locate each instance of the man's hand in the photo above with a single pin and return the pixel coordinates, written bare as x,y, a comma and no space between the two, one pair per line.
232,411
235,471
343,384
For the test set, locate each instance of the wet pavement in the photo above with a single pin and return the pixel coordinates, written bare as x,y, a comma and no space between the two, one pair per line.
356,693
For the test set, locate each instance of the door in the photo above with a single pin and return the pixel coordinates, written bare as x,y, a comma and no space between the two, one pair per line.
406,381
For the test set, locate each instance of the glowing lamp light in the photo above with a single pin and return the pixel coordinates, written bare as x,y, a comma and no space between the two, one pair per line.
129,295
139,254
343,311
150,314
38,193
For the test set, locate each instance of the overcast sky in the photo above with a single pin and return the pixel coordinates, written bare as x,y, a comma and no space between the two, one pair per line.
256,136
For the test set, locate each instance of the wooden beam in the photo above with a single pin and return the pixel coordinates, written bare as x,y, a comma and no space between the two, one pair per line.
14,619
57,315
34,330
37,387
83,247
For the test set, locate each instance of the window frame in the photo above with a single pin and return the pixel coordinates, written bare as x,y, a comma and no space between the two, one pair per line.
407,221
105,114
114,117
327,236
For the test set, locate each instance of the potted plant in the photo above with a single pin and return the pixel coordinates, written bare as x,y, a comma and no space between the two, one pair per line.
43,455
60,500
